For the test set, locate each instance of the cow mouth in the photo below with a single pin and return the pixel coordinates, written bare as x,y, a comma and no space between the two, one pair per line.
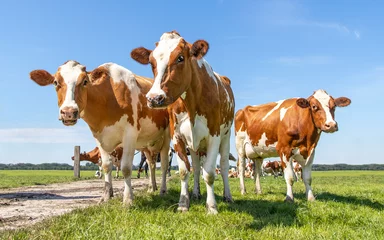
69,122
157,106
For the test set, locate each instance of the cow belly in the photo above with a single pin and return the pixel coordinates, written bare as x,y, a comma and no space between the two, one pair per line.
112,135
260,151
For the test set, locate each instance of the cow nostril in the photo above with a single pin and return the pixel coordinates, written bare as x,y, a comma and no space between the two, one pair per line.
327,126
75,113
160,99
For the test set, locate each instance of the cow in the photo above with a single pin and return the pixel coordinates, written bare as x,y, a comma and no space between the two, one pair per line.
289,129
143,162
298,170
201,106
273,168
111,100
94,156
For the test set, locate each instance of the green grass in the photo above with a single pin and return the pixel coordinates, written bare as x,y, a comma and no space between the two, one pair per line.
349,205
21,178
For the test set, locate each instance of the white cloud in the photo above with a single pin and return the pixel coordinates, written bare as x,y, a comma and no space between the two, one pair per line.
357,34
45,135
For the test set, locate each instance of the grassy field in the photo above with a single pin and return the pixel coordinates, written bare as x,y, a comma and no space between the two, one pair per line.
349,205
21,178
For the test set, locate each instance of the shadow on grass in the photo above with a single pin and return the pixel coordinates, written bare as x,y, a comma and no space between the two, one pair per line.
264,212
327,196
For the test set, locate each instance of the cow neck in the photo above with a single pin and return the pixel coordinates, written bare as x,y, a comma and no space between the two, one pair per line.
96,104
192,101
312,131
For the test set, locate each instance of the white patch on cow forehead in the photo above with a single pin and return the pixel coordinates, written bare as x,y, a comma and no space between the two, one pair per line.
168,43
324,99
70,71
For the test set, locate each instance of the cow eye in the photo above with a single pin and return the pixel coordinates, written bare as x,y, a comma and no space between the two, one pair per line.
180,59
314,107
55,83
85,82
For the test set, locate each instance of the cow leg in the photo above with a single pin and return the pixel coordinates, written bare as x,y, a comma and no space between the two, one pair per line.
184,177
169,165
100,170
126,165
224,166
307,177
107,166
151,161
257,170
164,162
209,173
196,174
117,172
289,176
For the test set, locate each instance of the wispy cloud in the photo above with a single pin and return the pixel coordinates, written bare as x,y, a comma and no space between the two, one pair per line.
45,135
325,25
312,60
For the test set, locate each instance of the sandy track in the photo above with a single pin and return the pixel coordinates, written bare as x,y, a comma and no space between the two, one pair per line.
21,207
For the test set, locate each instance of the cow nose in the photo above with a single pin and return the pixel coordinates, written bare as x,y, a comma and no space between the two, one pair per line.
69,113
331,126
158,99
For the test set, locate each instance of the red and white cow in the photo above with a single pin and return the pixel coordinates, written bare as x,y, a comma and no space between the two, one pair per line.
201,106
298,170
94,156
273,168
289,129
111,100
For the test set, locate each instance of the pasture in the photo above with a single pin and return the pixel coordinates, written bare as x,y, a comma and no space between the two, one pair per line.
349,205
23,178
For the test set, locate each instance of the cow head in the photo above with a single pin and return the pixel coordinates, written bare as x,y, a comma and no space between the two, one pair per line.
171,63
70,82
322,107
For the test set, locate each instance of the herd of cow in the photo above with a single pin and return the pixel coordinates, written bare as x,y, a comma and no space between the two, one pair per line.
192,106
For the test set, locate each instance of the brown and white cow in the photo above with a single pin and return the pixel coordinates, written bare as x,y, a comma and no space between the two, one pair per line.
298,170
111,100
289,129
201,106
94,156
273,168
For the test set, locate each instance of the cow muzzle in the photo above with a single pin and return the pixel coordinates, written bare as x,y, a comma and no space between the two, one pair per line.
69,116
157,101
330,127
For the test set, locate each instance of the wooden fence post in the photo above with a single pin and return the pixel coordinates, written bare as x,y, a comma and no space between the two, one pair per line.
76,162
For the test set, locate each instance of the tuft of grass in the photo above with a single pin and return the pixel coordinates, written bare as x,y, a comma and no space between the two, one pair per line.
349,205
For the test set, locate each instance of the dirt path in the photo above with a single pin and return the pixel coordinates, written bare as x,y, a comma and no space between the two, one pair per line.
20,207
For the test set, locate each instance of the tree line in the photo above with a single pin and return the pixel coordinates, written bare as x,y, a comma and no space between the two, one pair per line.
92,166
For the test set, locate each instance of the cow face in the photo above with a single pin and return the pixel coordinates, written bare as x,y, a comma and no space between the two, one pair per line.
322,107
70,82
171,63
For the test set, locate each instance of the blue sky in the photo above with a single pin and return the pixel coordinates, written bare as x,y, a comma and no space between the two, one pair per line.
270,50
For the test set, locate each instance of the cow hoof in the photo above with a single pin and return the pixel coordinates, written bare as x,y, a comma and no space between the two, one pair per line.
196,196
212,210
228,199
243,192
182,209
128,203
258,192
311,198
288,199
163,192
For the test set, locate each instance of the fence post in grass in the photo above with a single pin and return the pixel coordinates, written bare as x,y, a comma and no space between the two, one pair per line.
76,162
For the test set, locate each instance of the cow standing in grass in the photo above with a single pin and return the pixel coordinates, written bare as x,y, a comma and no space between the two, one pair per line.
289,129
111,100
201,106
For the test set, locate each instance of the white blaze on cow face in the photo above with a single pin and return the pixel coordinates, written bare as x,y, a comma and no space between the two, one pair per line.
324,100
167,44
70,72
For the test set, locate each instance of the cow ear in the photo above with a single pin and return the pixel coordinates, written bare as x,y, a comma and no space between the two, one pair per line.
141,55
41,77
342,101
199,48
97,75
302,102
